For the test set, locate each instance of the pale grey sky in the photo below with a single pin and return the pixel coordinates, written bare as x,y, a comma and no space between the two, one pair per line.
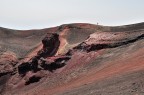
36,14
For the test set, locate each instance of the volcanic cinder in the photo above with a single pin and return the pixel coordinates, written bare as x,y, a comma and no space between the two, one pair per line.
73,59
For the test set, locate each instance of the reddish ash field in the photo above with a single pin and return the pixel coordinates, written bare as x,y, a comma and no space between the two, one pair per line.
73,59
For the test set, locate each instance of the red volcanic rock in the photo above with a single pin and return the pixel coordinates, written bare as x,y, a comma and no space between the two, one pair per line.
102,40
7,63
73,59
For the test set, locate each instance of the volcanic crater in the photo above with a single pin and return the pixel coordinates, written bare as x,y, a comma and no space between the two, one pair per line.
73,59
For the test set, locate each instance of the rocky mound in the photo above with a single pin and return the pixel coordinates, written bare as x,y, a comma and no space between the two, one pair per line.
73,59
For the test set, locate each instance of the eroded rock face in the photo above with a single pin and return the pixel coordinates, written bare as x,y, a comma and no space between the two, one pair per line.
103,40
43,60
50,46
7,63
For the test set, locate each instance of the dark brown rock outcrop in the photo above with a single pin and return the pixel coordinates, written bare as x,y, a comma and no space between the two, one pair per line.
50,46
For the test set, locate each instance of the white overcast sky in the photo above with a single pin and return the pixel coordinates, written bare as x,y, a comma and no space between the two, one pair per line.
36,14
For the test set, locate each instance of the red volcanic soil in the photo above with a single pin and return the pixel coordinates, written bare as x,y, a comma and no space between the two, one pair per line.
73,59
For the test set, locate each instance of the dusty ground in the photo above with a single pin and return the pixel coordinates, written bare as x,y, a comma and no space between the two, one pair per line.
86,59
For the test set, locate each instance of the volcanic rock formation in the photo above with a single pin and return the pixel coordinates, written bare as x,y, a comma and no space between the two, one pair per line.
73,59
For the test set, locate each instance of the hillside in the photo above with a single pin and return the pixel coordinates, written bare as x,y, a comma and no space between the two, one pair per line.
73,59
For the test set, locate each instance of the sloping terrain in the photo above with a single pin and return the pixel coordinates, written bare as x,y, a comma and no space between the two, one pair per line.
73,59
